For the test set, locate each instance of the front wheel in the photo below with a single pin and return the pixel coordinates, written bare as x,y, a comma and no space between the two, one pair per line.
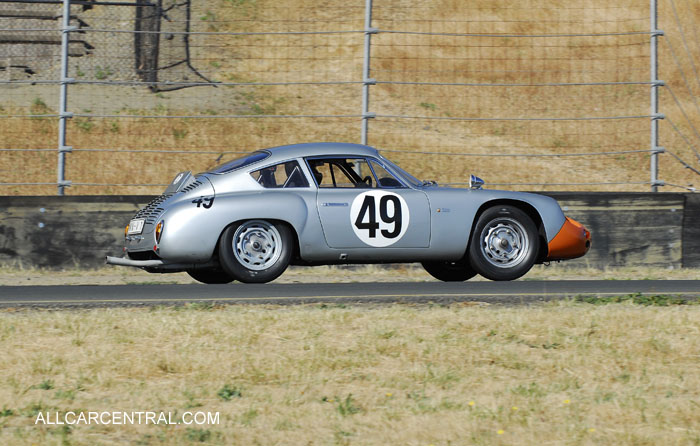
504,243
458,271
255,251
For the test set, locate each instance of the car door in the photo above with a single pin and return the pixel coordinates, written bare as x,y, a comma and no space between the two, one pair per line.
360,208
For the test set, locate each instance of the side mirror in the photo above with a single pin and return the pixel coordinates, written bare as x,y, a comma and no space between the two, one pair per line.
475,182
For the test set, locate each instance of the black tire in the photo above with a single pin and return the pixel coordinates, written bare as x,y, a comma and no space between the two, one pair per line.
504,243
209,276
255,251
458,271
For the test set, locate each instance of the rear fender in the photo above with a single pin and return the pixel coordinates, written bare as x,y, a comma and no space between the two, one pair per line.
192,231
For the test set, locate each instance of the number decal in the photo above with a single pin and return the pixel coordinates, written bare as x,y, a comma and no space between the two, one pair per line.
206,203
368,212
379,218
395,218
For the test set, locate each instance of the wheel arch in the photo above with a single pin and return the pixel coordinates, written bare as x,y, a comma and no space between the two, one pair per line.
524,206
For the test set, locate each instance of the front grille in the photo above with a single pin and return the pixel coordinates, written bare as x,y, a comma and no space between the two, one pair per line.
192,186
152,209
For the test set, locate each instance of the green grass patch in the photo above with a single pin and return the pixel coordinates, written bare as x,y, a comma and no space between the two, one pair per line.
655,300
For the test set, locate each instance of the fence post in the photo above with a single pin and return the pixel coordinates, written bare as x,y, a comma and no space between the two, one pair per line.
655,115
62,106
366,81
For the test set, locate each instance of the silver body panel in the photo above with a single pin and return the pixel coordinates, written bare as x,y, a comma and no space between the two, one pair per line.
435,222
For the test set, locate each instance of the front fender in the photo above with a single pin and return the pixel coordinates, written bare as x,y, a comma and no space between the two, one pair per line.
192,232
455,211
547,208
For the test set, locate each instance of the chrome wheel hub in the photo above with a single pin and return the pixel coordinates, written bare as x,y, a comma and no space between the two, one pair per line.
504,242
257,245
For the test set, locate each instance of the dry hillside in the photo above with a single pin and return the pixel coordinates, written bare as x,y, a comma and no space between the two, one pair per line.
443,132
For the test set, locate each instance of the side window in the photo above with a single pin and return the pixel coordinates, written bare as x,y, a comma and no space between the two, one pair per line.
384,178
284,175
342,173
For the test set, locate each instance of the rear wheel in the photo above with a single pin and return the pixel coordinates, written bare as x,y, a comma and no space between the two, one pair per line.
255,251
209,276
450,271
504,243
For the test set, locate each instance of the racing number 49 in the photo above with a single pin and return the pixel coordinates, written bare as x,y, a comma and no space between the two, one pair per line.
368,211
206,203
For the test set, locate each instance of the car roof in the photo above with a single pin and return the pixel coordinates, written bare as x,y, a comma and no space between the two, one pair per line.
281,153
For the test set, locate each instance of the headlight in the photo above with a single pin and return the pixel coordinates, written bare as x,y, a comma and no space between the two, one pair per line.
159,230
126,230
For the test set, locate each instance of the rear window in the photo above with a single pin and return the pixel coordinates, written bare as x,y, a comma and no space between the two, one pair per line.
283,175
240,162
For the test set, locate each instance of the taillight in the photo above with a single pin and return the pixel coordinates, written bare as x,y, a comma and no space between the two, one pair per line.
159,230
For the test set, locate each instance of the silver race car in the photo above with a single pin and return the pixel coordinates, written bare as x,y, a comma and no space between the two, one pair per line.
335,203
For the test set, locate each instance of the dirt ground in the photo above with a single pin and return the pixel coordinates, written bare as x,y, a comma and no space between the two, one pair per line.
324,274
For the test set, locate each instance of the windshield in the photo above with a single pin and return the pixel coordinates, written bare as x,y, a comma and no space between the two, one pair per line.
402,173
240,162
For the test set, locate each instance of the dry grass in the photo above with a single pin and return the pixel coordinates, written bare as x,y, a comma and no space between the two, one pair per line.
317,375
396,57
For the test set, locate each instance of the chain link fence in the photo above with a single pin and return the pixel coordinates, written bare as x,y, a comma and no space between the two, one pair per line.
524,94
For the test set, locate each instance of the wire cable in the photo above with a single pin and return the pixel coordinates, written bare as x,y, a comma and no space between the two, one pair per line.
688,188
427,33
90,115
682,73
119,184
517,155
680,107
450,118
29,184
685,43
548,84
680,160
217,83
218,33
557,184
673,125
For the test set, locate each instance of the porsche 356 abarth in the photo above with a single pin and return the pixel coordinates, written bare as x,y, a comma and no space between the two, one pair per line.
337,203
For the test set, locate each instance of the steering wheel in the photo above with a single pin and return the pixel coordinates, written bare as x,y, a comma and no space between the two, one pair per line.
367,180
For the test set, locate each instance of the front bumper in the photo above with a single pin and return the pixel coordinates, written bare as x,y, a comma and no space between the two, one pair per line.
572,241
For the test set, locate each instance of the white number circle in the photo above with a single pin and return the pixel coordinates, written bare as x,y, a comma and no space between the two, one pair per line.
379,218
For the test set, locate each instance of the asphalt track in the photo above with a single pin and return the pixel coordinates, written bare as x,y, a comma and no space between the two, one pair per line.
505,293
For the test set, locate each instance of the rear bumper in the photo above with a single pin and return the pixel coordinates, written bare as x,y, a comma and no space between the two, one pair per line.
572,241
159,266
123,261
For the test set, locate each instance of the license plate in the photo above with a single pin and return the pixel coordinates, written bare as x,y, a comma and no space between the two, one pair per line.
136,226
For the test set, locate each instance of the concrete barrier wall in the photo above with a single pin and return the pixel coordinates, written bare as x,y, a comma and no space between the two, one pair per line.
64,232
634,228
78,231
